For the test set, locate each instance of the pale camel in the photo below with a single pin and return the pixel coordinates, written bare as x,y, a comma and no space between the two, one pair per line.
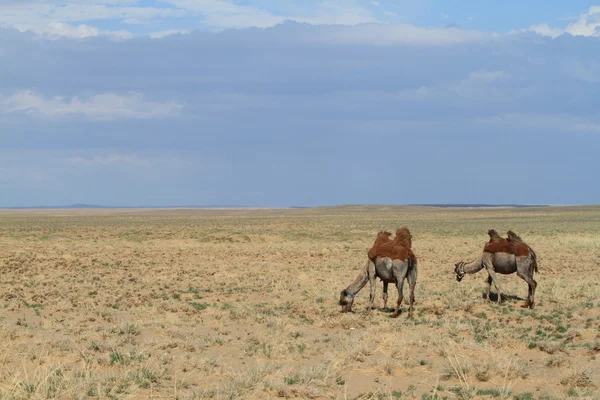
504,257
392,262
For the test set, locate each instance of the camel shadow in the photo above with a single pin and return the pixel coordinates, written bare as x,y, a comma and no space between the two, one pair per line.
505,297
390,310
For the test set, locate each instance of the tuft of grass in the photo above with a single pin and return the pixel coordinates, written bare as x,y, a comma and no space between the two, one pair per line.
198,306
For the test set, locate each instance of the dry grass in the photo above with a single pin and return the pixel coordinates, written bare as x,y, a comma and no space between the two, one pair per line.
186,304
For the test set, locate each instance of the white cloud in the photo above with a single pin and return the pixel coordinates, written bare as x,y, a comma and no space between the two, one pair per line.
392,34
587,24
54,19
106,106
127,159
546,30
225,14
169,32
56,30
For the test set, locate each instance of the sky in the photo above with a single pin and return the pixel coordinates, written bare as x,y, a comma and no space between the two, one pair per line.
280,103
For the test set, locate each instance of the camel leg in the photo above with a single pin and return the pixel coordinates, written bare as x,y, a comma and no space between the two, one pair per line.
489,287
372,285
400,272
525,272
489,266
412,282
399,285
385,295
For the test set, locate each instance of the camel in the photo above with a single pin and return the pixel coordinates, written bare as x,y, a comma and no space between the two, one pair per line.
503,256
392,262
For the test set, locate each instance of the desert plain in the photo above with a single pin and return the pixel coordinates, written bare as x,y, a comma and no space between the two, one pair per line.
228,304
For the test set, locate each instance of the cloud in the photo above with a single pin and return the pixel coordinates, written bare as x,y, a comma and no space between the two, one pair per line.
57,19
587,24
169,32
308,113
126,159
225,14
546,30
106,106
72,18
56,30
398,34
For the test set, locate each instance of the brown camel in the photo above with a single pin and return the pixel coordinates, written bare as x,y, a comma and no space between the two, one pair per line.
392,262
504,257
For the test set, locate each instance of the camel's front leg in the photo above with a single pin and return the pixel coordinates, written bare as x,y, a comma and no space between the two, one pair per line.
372,286
489,266
385,295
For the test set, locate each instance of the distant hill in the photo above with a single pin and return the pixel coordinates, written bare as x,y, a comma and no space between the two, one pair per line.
477,205
92,206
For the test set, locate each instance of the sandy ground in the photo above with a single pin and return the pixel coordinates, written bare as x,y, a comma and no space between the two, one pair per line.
243,304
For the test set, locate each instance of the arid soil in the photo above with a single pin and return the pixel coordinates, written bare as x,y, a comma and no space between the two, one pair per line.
137,304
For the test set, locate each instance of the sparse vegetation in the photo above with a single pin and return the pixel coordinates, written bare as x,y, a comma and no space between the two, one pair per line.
243,304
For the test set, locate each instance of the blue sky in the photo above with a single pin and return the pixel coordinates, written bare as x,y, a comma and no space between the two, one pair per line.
263,103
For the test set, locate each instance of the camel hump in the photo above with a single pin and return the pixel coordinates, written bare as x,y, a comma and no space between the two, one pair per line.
514,238
391,250
499,246
403,237
504,246
521,249
382,238
494,237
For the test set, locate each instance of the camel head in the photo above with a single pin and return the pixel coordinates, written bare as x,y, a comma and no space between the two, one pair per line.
346,300
459,270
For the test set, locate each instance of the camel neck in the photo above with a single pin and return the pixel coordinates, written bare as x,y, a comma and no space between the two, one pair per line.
360,281
474,266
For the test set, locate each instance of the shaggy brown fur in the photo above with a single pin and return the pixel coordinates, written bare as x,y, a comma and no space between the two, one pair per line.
494,237
514,238
403,237
504,246
382,238
397,249
513,245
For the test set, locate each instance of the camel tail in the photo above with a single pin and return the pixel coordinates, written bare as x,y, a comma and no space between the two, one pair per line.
412,262
534,260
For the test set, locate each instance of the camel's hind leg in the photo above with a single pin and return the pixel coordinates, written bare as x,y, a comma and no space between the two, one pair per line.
385,295
489,266
399,285
489,286
412,282
400,271
525,272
